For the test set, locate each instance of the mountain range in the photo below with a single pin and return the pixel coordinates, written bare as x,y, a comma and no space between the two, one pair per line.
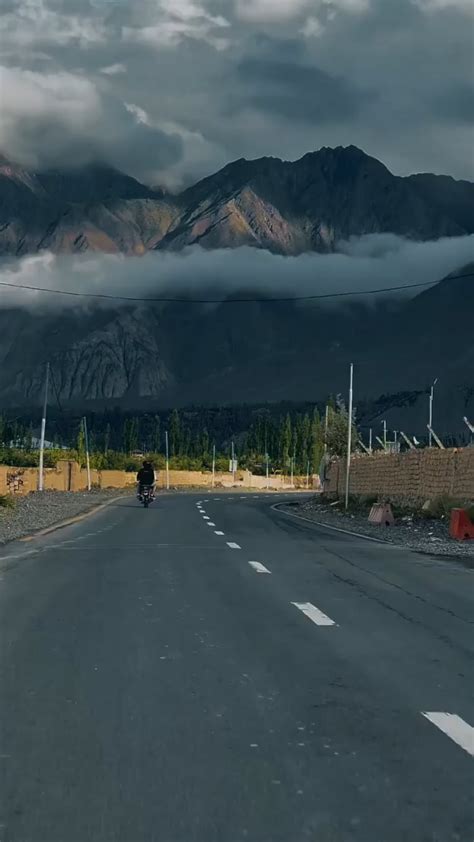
177,354
285,207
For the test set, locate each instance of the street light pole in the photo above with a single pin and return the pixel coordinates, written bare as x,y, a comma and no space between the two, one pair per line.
167,461
43,433
326,425
430,435
349,434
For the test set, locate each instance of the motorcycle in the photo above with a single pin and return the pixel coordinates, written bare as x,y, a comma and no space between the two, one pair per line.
146,496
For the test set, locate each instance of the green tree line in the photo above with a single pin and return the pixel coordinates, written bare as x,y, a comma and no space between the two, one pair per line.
290,440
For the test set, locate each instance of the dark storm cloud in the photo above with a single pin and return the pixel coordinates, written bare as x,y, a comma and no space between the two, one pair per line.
297,91
53,119
456,105
236,78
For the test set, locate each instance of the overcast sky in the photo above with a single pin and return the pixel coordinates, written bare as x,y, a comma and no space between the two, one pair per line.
170,90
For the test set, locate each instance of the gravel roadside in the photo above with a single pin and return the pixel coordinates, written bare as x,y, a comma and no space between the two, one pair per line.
425,536
40,510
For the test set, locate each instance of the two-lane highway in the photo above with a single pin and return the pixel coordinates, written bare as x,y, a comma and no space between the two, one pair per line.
213,670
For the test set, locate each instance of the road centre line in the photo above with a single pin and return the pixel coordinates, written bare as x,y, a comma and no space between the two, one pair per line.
314,613
258,567
454,727
233,545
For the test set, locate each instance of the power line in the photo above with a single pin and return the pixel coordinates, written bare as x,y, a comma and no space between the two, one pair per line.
289,299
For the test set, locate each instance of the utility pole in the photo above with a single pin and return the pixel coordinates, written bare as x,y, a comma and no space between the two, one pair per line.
384,435
349,434
167,461
88,463
213,465
430,419
43,432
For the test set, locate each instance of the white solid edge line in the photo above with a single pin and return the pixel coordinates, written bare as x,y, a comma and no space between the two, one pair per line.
314,613
233,545
258,567
455,727
219,533
336,528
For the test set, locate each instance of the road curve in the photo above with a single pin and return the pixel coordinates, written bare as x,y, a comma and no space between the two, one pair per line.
212,670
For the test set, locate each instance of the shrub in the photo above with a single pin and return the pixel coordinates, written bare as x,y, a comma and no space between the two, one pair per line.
440,507
6,501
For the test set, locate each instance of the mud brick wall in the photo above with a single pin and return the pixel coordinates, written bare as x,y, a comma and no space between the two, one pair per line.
415,475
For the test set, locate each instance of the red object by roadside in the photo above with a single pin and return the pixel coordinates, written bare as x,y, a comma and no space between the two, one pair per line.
461,526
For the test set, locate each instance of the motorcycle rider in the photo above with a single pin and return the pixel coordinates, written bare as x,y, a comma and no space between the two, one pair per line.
146,476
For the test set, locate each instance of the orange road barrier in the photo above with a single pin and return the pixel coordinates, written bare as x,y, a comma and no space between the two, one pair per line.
461,526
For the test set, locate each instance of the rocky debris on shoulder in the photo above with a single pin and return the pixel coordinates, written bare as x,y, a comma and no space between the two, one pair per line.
42,509
420,534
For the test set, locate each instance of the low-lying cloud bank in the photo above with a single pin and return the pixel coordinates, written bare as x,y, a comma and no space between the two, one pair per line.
362,264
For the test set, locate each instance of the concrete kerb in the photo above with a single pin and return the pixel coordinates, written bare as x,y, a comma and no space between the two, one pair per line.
70,521
278,507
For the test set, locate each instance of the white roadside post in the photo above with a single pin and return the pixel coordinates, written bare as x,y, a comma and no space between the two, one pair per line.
384,435
266,469
43,433
430,419
307,475
88,461
213,465
349,435
370,441
167,461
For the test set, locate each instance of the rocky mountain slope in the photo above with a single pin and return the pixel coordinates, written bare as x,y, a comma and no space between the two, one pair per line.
177,355
286,207
92,209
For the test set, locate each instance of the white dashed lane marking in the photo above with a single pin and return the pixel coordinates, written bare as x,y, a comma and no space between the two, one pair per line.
259,568
314,613
233,546
454,727
206,517
218,533
210,523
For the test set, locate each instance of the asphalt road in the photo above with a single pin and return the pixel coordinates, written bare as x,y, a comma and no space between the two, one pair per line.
157,685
